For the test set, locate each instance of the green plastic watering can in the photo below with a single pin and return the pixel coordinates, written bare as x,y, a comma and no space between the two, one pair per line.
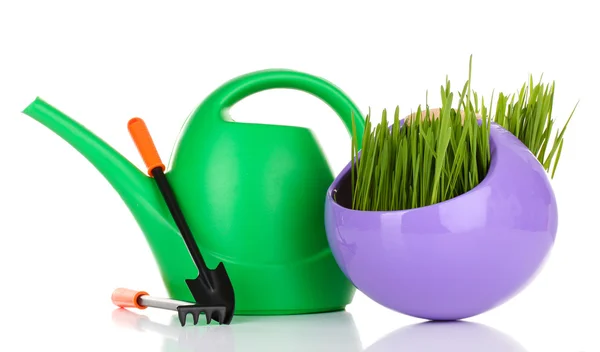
253,195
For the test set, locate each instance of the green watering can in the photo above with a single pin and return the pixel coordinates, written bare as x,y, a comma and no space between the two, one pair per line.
253,195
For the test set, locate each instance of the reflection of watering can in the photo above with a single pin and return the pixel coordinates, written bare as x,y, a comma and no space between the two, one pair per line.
313,332
253,195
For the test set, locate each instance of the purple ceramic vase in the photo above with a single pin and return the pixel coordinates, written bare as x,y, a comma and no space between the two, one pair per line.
457,258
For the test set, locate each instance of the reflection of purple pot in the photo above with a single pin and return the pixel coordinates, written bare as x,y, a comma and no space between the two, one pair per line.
457,258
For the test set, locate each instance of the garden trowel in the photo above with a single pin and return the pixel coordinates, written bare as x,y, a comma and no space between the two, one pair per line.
212,289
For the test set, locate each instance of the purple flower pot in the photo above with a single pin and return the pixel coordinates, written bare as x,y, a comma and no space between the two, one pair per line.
457,258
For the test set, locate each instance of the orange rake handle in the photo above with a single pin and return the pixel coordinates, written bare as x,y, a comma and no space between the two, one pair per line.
145,145
126,298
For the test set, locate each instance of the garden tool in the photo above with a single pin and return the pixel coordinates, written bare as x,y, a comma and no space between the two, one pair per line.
212,289
253,195
127,298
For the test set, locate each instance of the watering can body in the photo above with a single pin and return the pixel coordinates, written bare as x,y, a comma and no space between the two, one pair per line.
253,195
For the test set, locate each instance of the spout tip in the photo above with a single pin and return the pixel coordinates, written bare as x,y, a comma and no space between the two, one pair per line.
37,101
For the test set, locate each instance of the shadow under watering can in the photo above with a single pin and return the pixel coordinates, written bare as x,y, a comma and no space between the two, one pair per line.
253,195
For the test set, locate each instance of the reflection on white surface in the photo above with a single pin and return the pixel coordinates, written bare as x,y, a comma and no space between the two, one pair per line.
310,332
456,336
317,332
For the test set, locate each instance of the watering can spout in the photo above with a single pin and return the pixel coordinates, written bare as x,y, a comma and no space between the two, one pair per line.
134,187
130,182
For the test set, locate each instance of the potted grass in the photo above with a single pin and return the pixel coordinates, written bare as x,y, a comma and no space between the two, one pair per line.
449,215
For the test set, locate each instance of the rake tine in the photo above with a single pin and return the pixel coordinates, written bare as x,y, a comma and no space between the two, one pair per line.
196,316
221,316
182,315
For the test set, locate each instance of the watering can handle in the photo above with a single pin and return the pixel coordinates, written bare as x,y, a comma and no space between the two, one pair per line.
243,86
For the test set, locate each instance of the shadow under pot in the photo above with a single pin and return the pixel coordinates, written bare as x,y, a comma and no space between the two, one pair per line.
457,258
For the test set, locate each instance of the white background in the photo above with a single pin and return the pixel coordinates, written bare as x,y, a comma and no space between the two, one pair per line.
67,240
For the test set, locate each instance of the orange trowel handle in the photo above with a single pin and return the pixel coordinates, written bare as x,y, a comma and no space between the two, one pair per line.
143,141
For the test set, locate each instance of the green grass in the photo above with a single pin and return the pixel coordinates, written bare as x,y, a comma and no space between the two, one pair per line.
528,115
437,157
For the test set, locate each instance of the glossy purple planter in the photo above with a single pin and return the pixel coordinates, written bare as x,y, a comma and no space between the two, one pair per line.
454,259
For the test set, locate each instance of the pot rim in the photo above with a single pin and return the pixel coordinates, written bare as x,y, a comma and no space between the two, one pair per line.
496,141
